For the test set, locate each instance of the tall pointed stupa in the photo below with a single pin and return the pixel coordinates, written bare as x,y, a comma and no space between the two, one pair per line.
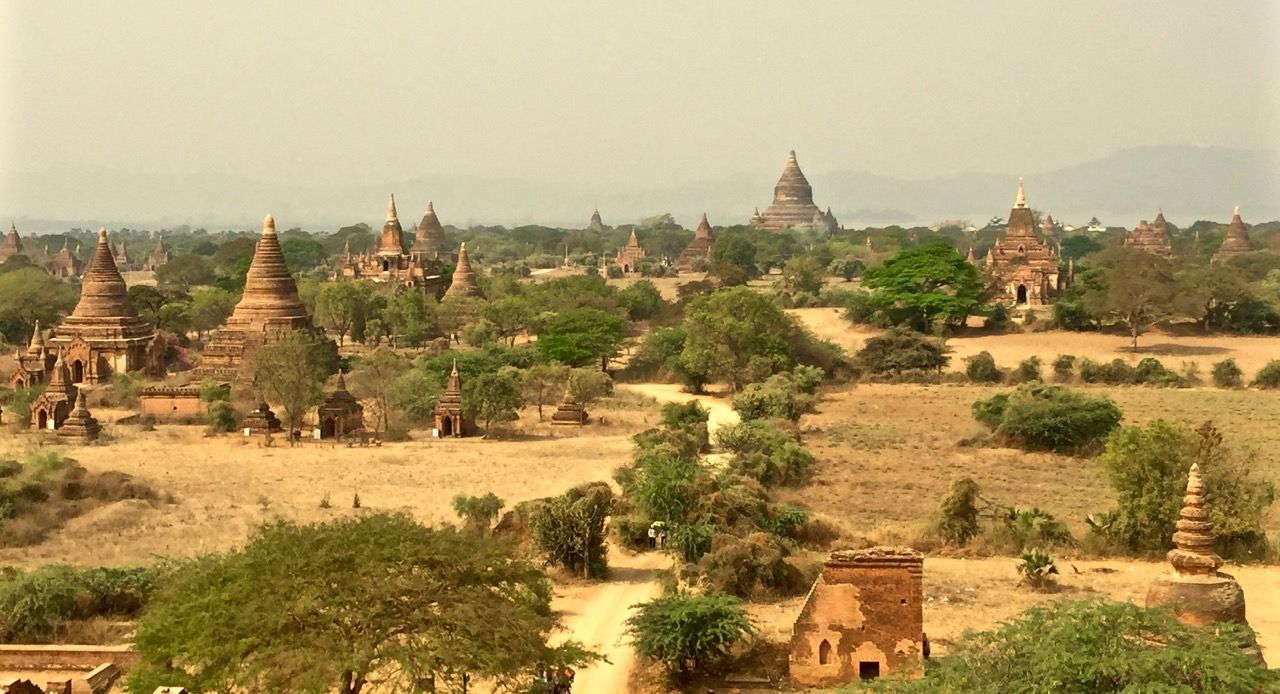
1024,266
792,204
596,223
392,240
429,240
464,278
699,247
12,244
1235,241
104,334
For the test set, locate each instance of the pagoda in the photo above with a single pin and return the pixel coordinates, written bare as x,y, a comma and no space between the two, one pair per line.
699,247
464,278
596,223
630,254
1024,266
450,422
261,421
35,364
422,266
51,407
1150,238
104,335
159,255
792,204
121,253
79,426
268,309
340,414
1236,240
569,412
64,264
429,239
12,244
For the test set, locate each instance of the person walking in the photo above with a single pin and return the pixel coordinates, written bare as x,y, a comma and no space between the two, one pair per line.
653,537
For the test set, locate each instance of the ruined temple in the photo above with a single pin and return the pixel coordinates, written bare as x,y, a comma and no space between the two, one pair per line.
260,422
1235,241
699,247
1196,591
1150,238
596,223
340,414
630,254
464,278
569,412
863,619
159,255
104,335
1023,266
268,309
79,426
35,364
421,266
449,420
792,204
12,244
50,409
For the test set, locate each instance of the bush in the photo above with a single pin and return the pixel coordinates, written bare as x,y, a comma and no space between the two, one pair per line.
221,417
1028,371
808,378
1226,374
749,566
778,397
688,633
1268,377
764,452
857,307
958,515
1151,372
899,351
477,512
1019,529
1064,368
1038,570
36,605
1044,417
569,529
981,368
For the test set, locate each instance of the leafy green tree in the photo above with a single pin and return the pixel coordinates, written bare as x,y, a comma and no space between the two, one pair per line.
642,300
569,529
455,314
544,384
804,274
737,335
374,380
1136,289
477,512
231,254
688,633
1035,416
175,317
303,254
147,300
898,351
185,272
409,318
329,607
291,371
765,452
210,308
920,285
586,386
511,315
1205,289
1094,646
581,337
492,397
29,295
1078,246
338,304
846,268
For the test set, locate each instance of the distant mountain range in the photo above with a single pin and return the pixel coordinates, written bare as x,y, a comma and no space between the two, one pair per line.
1188,183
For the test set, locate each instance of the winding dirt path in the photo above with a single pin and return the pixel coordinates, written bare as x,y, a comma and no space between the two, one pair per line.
720,409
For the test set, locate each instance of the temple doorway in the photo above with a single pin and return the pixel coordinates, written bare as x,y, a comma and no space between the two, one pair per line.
386,265
824,652
77,371
42,419
328,428
446,426
1022,293
868,670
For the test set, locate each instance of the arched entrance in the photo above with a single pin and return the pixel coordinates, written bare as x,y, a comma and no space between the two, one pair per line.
328,428
824,652
1022,293
386,265
42,419
446,426
77,371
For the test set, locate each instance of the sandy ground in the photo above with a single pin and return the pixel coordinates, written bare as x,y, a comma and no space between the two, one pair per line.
719,409
595,614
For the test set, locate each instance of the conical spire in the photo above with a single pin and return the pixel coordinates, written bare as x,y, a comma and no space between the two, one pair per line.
1236,239
429,238
103,293
77,404
270,294
342,381
1193,553
704,228
37,340
12,242
392,241
632,241
391,209
1021,199
464,278
60,379
969,256
454,386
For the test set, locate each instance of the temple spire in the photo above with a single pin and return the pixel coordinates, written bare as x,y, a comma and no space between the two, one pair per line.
1021,200
1193,552
269,225
391,209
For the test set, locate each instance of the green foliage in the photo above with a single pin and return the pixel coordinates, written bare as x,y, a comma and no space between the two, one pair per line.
1028,371
752,565
1268,377
900,351
1227,374
1151,372
1135,289
569,529
1064,368
1044,417
492,397
1148,466
262,618
689,633
658,355
642,300
981,368
291,371
1020,528
28,295
221,417
341,305
928,283
581,337
764,452
858,308
777,397
543,384
477,512
586,386
1080,647
662,485
409,318
36,606
958,514
1038,570
184,272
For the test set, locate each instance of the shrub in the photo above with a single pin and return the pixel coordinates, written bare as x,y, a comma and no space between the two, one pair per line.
688,633
1226,374
1268,377
477,512
808,378
778,397
958,515
1019,529
764,452
690,417
748,566
1044,417
981,368
900,350
1028,371
1151,372
221,417
1038,570
857,307
35,605
569,529
1064,368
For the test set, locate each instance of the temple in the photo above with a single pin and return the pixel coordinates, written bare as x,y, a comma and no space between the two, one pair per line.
421,266
260,422
159,255
863,619
464,278
1196,591
1024,266
1236,240
50,409
630,254
596,223
450,421
268,309
12,244
1150,238
699,248
792,205
340,414
104,335
35,364
64,264
123,262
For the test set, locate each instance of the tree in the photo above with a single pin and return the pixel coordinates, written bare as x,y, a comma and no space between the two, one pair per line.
958,515
804,274
588,385
642,300
375,380
1204,291
581,337
543,384
302,254
454,315
292,370
174,317
736,335
323,608
846,268
1136,289
409,317
920,285
210,308
492,397
569,529
1095,646
777,397
338,304
1035,416
686,633
185,272
735,250
511,315
477,512
900,350
29,295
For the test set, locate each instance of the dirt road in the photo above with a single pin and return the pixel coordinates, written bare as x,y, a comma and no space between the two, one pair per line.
595,614
720,409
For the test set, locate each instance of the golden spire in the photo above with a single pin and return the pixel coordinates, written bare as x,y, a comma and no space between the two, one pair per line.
1193,552
1021,200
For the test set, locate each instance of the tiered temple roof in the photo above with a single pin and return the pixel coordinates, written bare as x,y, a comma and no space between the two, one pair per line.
261,421
792,204
569,412
80,425
12,244
630,254
1025,265
341,413
1150,238
1236,240
464,278
392,240
699,247
270,298
596,223
449,419
429,240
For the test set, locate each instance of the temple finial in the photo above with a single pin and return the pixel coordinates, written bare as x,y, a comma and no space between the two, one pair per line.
391,209
269,226
1193,552
1236,213
1021,200
102,233
430,208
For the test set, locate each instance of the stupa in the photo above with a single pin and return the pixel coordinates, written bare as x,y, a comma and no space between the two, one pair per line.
260,421
1236,240
104,335
35,365
340,414
569,412
268,309
391,242
79,426
12,244
51,407
699,247
464,278
630,254
792,204
1196,591
429,239
1149,238
1024,266
422,266
448,415
596,223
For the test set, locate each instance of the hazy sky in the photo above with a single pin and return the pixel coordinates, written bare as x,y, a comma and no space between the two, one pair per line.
627,94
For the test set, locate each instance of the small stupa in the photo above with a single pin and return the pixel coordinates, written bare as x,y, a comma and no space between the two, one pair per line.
1236,240
464,278
261,421
1196,591
569,412
449,420
50,409
392,241
341,413
79,426
429,240
699,247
